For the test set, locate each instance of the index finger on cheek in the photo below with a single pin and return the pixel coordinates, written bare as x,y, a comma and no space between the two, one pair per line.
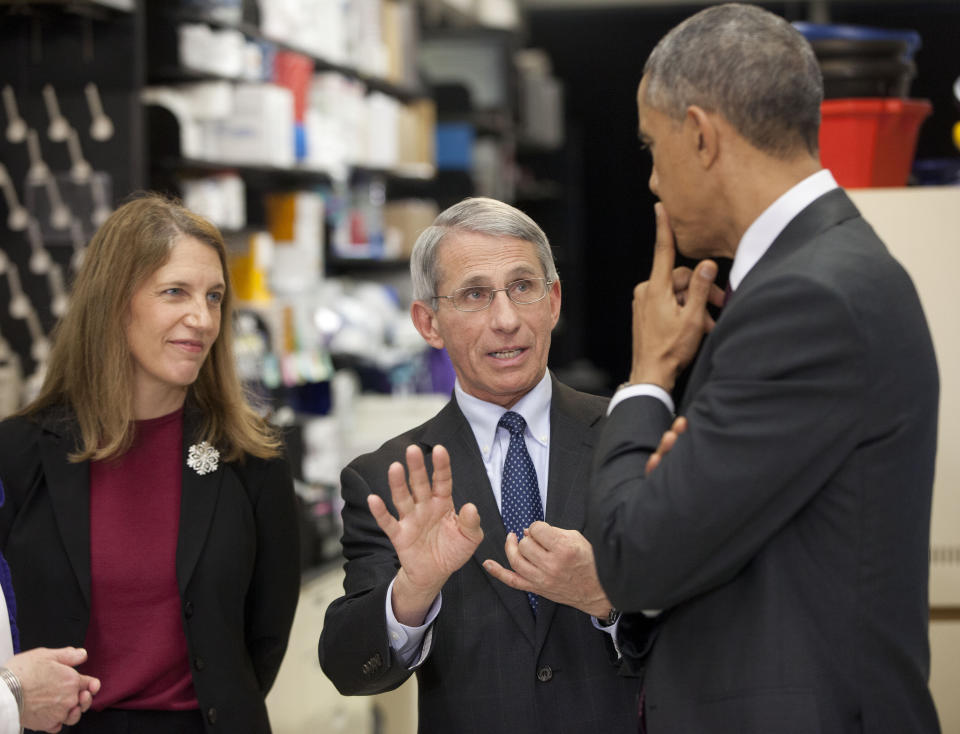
664,255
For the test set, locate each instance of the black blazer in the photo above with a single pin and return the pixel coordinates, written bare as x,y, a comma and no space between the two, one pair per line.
237,562
786,535
492,667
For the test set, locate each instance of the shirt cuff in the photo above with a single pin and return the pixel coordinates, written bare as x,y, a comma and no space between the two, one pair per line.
9,714
614,628
632,391
406,641
610,629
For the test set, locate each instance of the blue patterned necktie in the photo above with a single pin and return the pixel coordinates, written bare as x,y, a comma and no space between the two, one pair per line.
520,502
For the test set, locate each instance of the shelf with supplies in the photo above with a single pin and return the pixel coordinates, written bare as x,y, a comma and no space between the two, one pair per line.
167,37
460,15
254,100
336,265
267,173
411,173
313,148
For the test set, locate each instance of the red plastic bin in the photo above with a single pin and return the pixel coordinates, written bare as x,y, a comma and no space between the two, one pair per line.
870,141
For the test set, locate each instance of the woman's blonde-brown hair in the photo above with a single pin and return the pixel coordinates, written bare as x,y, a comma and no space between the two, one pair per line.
90,368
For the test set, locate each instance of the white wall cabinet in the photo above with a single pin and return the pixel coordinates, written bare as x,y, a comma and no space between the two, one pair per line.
921,227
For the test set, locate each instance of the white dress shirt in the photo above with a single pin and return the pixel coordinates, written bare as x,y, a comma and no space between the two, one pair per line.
752,246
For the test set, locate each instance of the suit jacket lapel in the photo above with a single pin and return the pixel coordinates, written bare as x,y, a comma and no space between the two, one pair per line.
470,484
198,500
69,487
828,211
823,213
572,426
571,447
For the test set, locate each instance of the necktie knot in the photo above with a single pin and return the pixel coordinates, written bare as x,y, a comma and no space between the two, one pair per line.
513,422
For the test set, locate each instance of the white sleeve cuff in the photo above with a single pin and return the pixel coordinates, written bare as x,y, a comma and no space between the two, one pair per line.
610,630
407,641
632,391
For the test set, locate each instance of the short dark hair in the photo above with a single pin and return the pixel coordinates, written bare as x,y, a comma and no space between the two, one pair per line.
748,65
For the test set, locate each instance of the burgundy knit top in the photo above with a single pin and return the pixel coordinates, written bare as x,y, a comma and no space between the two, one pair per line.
135,641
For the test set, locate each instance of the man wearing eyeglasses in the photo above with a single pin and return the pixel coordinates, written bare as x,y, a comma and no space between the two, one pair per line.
494,503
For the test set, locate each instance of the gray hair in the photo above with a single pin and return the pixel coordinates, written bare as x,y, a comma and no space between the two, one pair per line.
746,64
481,216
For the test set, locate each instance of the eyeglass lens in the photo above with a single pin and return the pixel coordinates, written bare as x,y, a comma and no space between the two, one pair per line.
478,297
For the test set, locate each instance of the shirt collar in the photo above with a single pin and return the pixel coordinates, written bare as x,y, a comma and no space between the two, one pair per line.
483,417
775,218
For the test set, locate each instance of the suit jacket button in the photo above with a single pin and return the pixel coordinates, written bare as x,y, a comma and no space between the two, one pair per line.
372,665
212,715
544,673
188,609
199,664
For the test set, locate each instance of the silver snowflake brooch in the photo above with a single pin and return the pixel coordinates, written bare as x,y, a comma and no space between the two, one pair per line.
203,458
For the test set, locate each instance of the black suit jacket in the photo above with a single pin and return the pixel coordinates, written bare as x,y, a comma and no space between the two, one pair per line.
786,535
492,666
237,562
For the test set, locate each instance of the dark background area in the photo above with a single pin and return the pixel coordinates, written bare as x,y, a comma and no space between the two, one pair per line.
599,55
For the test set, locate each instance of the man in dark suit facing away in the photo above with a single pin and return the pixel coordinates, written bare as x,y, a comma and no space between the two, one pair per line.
431,559
784,537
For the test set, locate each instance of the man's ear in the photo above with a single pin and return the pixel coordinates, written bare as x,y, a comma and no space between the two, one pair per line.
555,301
425,321
703,135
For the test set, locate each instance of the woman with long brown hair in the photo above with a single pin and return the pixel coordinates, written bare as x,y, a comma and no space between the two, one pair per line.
150,516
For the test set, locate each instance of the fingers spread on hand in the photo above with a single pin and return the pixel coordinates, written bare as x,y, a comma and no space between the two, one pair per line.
442,475
419,481
679,425
399,492
387,522
468,520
